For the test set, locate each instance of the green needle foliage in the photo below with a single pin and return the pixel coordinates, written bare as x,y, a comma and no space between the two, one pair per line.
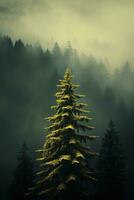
111,165
23,176
65,169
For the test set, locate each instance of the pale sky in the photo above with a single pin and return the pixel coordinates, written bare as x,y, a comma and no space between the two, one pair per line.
104,28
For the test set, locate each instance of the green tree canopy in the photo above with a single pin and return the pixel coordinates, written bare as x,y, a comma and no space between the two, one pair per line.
65,168
23,176
112,172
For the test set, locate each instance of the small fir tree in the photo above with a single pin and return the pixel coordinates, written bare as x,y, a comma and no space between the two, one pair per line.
23,176
65,168
111,165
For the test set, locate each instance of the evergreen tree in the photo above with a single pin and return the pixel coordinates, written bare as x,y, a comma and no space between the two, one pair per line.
57,57
111,165
56,50
23,175
65,168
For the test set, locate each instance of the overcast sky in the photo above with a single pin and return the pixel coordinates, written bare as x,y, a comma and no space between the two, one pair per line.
104,28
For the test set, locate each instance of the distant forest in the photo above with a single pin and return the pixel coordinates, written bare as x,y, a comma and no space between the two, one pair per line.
28,78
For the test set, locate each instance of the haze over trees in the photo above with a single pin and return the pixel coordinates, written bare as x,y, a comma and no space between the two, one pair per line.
28,75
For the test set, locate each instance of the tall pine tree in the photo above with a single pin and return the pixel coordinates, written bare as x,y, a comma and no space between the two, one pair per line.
112,173
65,168
23,176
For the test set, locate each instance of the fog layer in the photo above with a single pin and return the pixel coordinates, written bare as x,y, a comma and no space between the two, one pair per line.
104,28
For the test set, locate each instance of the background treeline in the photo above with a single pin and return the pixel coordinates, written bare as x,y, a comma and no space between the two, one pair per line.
28,78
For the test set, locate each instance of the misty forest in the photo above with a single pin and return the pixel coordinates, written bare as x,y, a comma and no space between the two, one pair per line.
66,123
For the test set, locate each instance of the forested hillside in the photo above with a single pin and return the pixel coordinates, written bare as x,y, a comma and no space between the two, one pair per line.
28,78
